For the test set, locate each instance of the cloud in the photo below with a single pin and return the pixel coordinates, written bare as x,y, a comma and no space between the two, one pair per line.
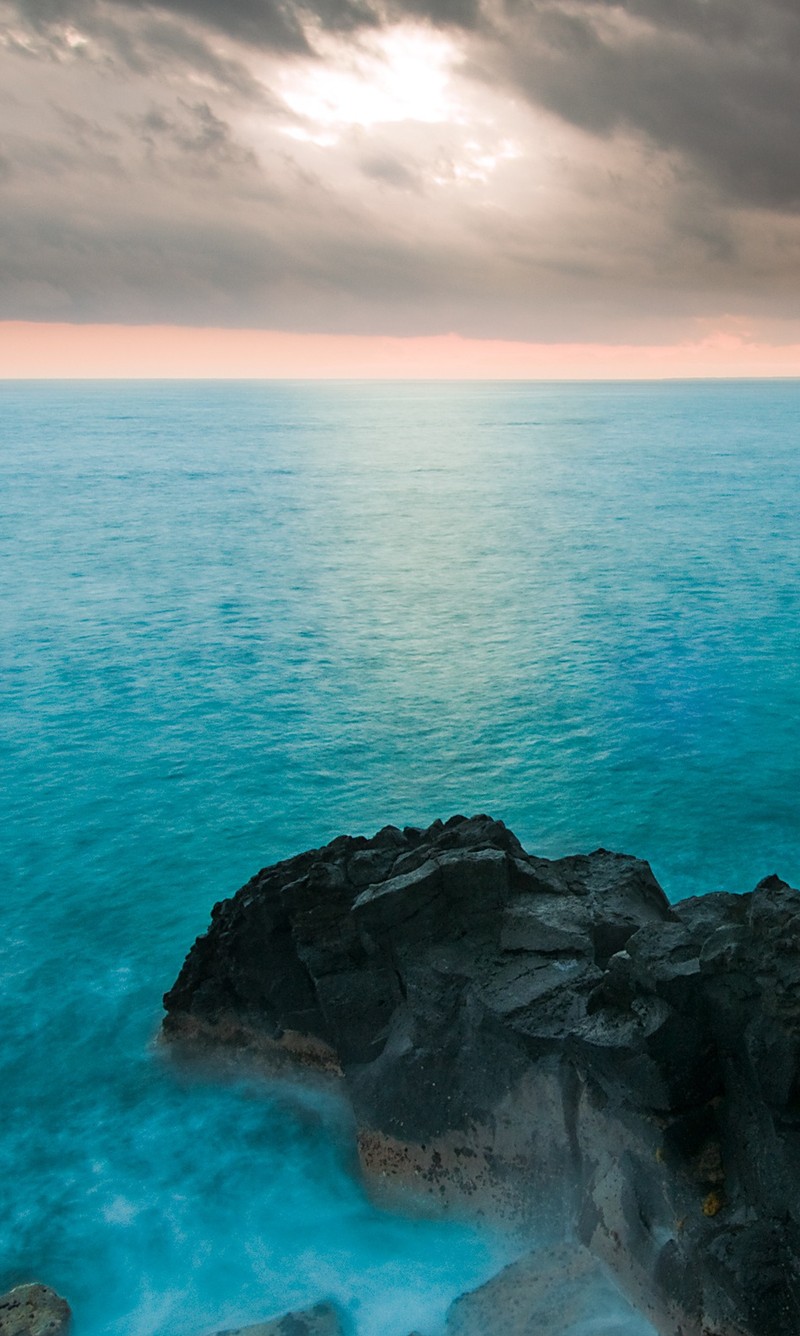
269,24
391,170
192,137
285,26
712,80
545,169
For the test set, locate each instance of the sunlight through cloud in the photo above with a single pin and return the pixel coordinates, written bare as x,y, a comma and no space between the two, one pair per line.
399,75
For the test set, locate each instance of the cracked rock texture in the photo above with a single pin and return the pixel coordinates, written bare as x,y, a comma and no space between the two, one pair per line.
515,1032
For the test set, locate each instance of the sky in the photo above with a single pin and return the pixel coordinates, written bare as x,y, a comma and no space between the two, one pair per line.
410,187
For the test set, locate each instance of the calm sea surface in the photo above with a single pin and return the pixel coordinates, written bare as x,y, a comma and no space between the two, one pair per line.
239,619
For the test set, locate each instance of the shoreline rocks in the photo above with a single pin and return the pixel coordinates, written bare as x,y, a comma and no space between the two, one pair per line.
517,1033
552,1291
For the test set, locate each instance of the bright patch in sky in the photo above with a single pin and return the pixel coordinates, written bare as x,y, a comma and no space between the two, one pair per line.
478,162
399,75
74,39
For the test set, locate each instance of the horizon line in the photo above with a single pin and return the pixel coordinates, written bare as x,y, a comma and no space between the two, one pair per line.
721,378
47,351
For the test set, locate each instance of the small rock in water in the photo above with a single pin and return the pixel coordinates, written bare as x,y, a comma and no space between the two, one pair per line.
34,1310
322,1320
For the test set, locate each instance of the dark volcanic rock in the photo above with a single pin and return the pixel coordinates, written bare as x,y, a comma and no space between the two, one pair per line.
513,1030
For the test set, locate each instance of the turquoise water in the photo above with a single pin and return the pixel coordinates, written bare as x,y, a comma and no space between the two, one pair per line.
240,619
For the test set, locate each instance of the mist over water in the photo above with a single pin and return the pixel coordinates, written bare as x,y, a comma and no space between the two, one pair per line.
238,620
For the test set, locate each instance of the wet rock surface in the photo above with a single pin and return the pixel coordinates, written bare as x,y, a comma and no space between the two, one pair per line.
34,1310
514,1031
321,1320
554,1291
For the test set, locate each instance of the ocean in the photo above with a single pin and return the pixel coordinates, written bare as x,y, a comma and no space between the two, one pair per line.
239,619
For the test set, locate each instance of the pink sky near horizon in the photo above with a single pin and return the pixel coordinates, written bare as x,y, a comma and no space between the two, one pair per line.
30,350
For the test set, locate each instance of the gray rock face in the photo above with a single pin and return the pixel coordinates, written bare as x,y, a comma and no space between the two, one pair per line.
554,1291
322,1320
34,1310
514,1031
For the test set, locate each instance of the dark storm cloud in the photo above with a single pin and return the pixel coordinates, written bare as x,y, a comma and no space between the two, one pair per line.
162,44
713,80
259,24
277,25
152,43
268,23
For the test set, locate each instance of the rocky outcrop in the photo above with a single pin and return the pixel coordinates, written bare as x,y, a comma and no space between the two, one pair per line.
322,1320
532,1036
34,1310
553,1291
